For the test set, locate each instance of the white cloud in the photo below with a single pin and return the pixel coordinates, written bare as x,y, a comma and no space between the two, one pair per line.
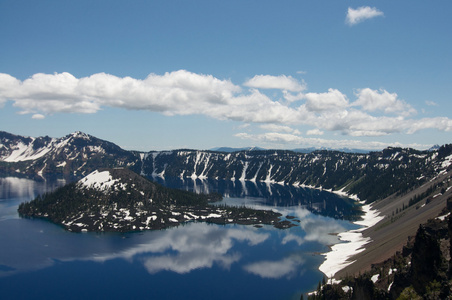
372,100
440,123
279,128
180,92
38,116
282,82
332,100
373,113
8,85
431,103
176,93
46,93
355,16
292,97
315,131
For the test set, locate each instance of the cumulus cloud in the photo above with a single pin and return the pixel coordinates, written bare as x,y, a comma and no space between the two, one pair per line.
279,128
332,100
291,97
175,93
355,16
440,123
372,113
282,82
179,92
38,116
382,100
315,131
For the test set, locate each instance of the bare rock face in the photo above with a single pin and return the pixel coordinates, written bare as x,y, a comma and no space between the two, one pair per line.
427,262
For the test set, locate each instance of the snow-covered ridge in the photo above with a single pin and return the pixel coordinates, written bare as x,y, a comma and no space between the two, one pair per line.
76,154
23,152
30,148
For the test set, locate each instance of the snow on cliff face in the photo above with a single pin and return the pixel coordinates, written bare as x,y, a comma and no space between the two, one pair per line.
102,181
29,148
447,162
22,152
25,148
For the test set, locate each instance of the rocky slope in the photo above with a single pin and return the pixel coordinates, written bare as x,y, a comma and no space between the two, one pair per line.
421,270
121,200
76,154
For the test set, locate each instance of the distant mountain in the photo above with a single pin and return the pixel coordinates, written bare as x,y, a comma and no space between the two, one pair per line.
434,148
121,200
299,150
346,150
229,149
370,176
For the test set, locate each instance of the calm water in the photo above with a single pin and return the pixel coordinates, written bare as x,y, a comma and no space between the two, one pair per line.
40,260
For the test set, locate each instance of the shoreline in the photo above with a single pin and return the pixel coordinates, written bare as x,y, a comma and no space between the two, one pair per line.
386,226
350,243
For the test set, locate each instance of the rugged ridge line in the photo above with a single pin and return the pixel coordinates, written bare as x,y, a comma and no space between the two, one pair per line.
370,176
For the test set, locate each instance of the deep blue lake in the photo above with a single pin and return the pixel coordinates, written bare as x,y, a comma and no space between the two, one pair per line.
40,260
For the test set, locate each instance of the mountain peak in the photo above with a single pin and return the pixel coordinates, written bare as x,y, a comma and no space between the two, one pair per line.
434,147
79,134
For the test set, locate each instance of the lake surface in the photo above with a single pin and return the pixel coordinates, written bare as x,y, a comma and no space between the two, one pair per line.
40,260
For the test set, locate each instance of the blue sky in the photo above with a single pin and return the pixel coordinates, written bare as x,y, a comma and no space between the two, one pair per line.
155,75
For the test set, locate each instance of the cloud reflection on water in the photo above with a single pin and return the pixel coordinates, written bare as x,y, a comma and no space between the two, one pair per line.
190,247
34,244
286,267
317,229
200,245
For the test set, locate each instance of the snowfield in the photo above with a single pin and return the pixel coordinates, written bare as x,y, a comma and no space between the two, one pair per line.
102,181
352,243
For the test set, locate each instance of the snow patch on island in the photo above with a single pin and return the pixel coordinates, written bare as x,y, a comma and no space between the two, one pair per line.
101,181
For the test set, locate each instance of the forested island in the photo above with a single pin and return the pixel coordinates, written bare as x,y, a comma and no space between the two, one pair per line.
121,200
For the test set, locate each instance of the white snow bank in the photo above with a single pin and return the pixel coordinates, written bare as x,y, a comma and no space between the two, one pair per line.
98,180
352,243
